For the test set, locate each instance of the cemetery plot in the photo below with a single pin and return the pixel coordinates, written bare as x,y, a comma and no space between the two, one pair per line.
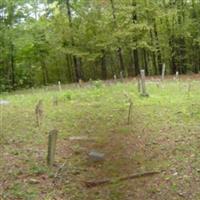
103,141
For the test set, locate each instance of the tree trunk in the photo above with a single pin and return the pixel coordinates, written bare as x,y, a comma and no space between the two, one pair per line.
145,62
103,66
12,63
44,73
121,60
136,62
153,55
174,68
131,69
135,51
159,57
77,68
75,59
69,75
119,50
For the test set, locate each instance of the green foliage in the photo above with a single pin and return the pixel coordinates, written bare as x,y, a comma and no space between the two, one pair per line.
41,42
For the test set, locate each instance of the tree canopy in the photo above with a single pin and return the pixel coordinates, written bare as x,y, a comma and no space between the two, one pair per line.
43,42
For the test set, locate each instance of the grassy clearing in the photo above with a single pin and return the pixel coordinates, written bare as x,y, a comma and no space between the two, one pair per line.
163,135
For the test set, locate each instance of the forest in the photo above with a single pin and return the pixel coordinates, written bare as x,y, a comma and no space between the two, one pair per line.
43,42
99,99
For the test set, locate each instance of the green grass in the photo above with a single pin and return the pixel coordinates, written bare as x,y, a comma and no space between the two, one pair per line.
163,135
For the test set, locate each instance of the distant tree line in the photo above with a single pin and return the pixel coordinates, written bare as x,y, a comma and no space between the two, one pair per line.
43,42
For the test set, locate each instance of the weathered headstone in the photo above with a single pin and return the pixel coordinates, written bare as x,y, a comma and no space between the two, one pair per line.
52,147
143,85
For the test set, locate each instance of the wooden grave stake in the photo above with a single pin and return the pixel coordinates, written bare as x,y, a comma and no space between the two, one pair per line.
52,147
143,85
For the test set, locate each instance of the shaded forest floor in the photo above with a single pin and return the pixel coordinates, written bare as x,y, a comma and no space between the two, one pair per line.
163,135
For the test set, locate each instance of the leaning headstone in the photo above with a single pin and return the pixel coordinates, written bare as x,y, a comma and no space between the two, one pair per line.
52,147
163,72
143,85
96,156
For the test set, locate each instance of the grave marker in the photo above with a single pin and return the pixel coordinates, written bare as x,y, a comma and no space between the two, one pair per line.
52,147
39,112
